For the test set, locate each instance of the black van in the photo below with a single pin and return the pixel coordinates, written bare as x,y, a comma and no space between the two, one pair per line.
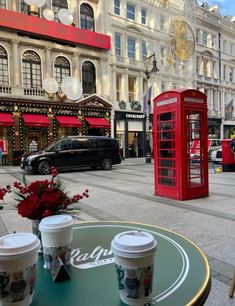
74,152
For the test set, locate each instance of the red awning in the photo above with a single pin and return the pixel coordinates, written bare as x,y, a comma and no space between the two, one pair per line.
35,120
68,121
98,122
6,119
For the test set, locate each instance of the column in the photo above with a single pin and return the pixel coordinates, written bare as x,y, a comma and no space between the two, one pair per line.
114,81
48,68
103,79
125,86
15,67
140,90
76,65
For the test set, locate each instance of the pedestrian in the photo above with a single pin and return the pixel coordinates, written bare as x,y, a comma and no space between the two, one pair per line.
33,146
0,156
232,146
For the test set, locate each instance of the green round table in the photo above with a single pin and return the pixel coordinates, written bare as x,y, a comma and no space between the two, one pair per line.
181,270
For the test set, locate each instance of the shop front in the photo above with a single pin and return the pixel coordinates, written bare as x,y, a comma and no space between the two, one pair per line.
30,125
130,130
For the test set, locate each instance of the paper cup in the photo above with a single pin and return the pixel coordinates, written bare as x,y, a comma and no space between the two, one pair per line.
134,255
18,258
57,235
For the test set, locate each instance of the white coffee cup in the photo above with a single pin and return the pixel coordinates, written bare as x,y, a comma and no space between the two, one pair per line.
134,256
18,258
57,235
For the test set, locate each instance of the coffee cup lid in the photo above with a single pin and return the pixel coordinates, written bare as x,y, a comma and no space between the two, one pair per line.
133,243
18,244
55,223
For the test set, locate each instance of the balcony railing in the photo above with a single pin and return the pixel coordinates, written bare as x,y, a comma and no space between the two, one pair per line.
34,92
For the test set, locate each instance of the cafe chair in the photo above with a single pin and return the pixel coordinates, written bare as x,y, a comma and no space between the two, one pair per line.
232,288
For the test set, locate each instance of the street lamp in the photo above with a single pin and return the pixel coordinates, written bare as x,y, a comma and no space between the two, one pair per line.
148,73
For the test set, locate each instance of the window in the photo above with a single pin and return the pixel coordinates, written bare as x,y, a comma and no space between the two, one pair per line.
61,69
88,78
87,17
3,4
143,16
131,42
213,41
230,74
31,67
117,44
204,38
163,86
57,5
163,55
197,36
130,11
144,50
4,77
132,88
23,7
118,86
117,7
162,22
205,67
224,73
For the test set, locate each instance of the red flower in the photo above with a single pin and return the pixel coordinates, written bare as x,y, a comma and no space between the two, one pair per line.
53,200
31,207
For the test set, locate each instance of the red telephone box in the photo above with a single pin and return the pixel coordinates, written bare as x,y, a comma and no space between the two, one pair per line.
180,119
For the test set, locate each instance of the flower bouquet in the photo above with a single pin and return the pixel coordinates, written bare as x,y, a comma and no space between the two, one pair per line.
40,199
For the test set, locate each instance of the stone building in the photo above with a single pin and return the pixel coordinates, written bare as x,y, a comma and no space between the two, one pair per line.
35,51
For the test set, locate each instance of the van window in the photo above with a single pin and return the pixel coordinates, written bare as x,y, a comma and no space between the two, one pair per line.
83,144
106,143
63,145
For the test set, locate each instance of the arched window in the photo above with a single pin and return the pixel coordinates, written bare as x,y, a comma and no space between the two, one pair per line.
87,17
88,78
61,69
3,4
57,5
4,76
31,66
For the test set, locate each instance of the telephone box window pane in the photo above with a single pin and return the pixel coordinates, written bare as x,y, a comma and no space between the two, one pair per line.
166,149
194,148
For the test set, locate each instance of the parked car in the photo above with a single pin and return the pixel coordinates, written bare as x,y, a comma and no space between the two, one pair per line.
74,152
216,155
212,144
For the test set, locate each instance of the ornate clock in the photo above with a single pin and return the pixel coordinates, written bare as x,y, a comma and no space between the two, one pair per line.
183,41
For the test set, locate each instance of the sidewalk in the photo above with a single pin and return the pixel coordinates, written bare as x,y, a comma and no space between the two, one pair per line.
126,193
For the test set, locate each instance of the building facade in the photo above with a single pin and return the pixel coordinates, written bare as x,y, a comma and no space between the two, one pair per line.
123,53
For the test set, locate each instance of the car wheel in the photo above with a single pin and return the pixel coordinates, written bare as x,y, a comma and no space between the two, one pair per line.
106,164
44,167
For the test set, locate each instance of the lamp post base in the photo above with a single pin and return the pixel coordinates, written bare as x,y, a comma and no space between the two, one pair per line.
148,159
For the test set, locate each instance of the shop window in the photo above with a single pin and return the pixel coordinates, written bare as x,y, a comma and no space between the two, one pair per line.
4,76
32,73
88,78
57,5
61,69
3,4
87,17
